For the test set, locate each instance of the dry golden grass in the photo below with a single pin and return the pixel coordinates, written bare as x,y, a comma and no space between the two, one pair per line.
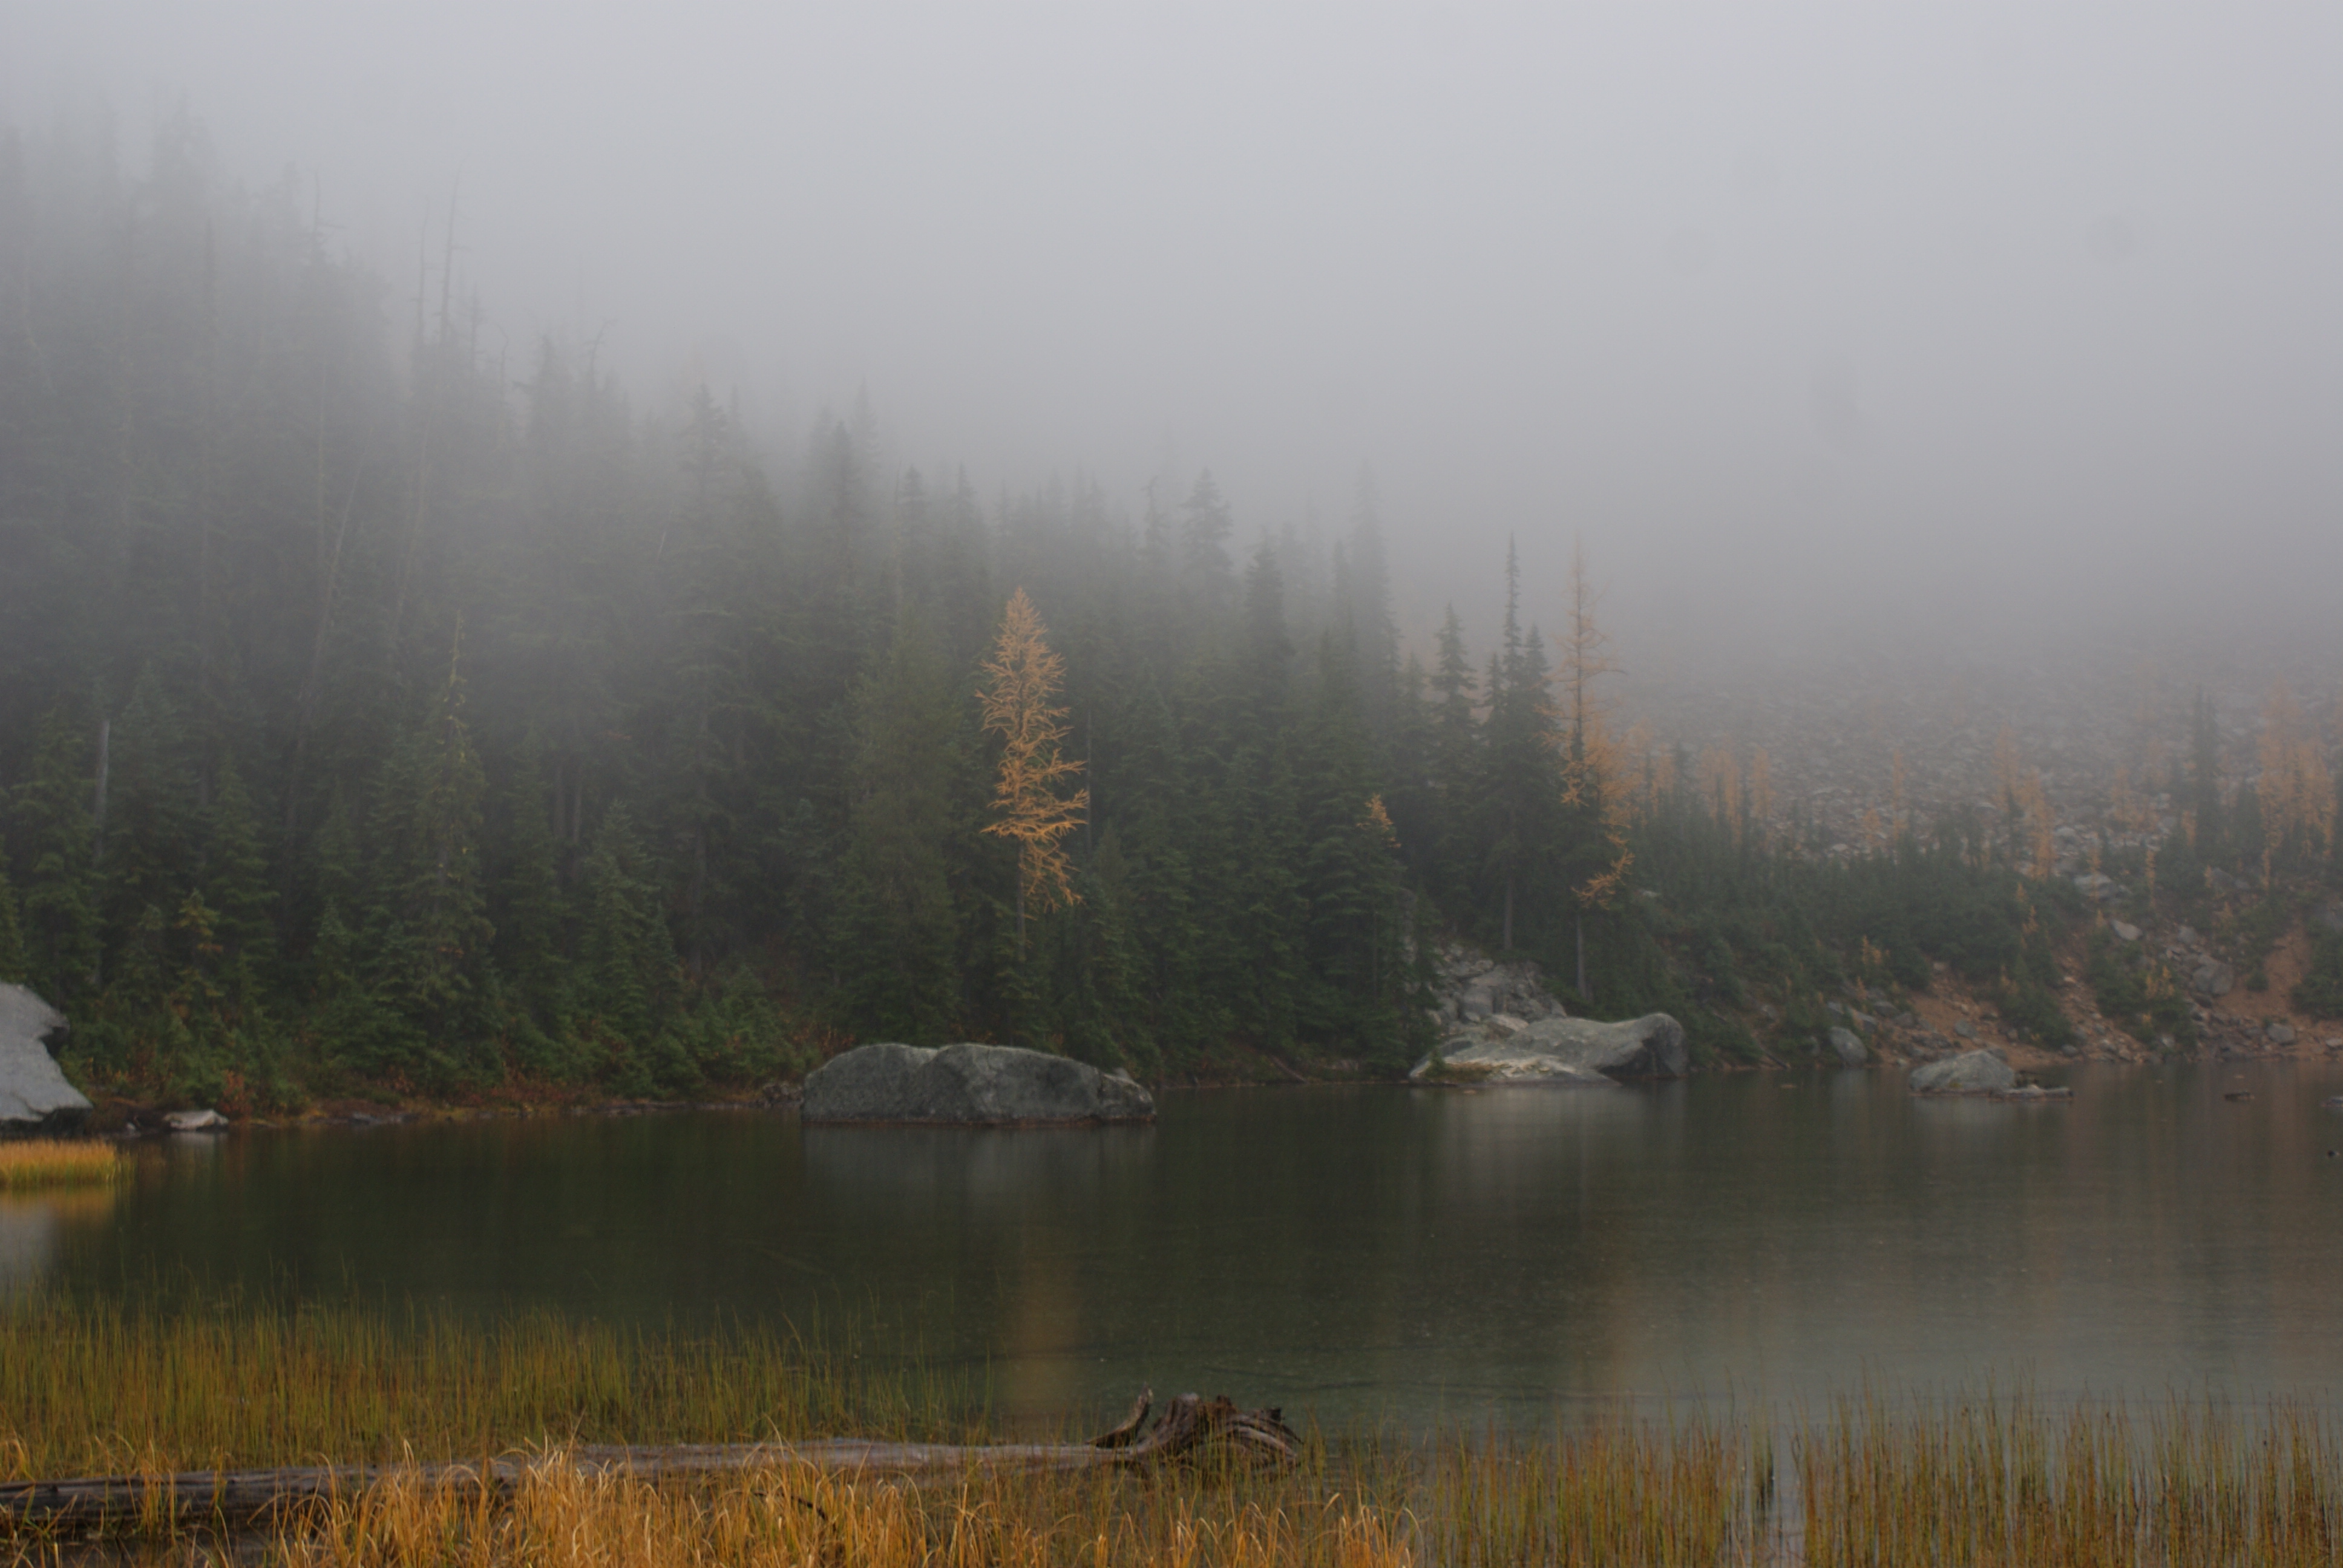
1989,1483
1981,1481
33,1162
97,1387
560,1517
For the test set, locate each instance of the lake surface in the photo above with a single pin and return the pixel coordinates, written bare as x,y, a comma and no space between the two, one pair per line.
1362,1253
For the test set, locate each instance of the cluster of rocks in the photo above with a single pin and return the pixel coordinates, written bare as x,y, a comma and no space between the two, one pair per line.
1468,985
1497,1022
1559,1050
1864,1025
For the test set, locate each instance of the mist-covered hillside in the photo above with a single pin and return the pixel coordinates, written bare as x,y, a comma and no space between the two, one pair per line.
387,704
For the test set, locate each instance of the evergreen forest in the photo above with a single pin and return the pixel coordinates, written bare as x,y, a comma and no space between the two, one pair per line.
388,707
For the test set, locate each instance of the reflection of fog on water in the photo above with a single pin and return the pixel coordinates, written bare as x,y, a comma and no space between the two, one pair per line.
28,1235
30,1228
1360,1250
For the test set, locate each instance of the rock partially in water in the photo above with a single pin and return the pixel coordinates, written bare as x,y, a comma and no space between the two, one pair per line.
1848,1047
1971,1073
1569,1050
32,1089
969,1085
194,1121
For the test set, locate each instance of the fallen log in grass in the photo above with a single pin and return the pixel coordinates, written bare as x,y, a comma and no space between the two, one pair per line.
1193,1430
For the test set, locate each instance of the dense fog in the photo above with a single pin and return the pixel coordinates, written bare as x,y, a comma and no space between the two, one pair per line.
1821,325
561,551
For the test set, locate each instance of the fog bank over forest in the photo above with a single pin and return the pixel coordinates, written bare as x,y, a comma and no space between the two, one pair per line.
2005,329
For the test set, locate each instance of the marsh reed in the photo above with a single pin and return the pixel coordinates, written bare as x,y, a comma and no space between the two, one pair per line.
94,1387
1992,1481
31,1163
89,1387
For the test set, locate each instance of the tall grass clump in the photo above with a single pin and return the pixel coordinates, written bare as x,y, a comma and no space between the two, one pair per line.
780,1519
1670,1496
30,1163
90,1386
1989,1481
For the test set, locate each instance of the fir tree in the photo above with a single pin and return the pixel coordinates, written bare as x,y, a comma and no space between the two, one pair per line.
235,881
53,816
897,962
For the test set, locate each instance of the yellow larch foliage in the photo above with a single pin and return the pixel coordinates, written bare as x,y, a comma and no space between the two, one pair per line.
2004,763
2041,831
1720,783
1602,768
1023,677
1637,755
1760,792
1664,774
2296,791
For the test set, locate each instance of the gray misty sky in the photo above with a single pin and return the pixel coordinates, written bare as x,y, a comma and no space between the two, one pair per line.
1882,318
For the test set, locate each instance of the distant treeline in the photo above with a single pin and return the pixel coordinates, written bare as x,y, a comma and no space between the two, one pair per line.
376,709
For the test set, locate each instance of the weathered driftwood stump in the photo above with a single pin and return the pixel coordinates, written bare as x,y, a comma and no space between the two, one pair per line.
1192,1430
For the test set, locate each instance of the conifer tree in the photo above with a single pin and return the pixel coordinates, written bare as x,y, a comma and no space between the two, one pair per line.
61,926
1207,575
896,963
1021,681
236,882
2205,782
1455,760
1595,856
525,899
432,820
627,953
11,929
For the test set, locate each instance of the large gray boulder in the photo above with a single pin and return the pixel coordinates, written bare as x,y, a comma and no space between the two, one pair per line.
32,1089
1848,1047
1971,1073
2213,978
969,1085
1568,1049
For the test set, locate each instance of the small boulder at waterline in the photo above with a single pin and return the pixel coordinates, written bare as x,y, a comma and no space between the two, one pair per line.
1568,1049
1971,1073
32,1089
1848,1047
969,1085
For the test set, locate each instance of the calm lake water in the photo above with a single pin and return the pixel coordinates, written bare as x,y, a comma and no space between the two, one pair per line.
1362,1253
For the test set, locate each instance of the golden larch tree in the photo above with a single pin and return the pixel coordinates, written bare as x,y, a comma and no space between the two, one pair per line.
2295,792
1021,681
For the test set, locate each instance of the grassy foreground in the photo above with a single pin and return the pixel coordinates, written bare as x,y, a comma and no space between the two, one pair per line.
94,1388
45,1162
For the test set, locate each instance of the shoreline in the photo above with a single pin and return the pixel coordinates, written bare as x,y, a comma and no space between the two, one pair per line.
126,1120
